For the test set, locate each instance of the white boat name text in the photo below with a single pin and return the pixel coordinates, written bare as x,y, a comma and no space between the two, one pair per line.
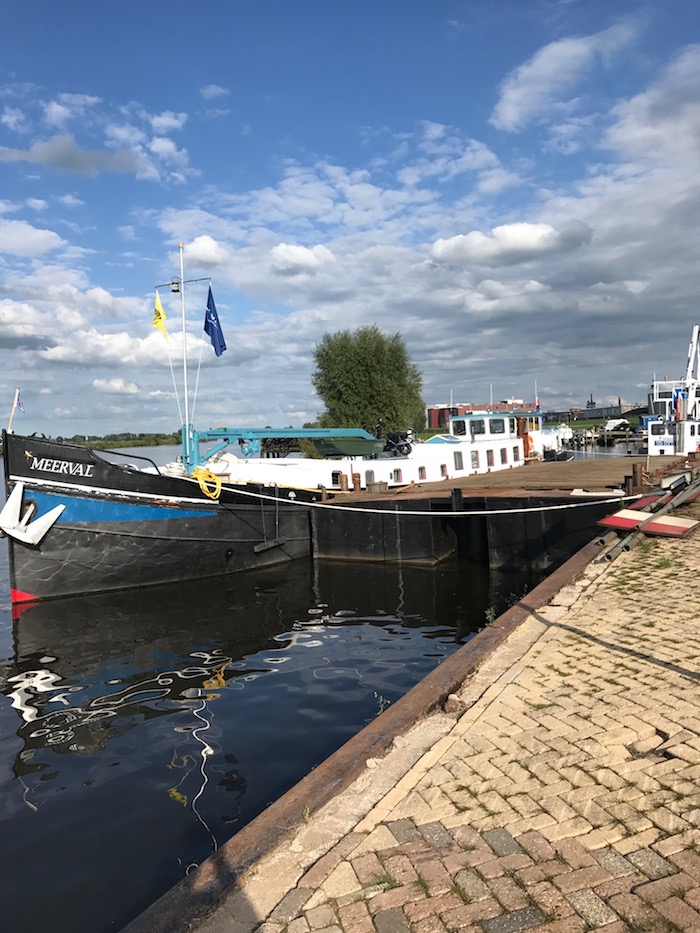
62,466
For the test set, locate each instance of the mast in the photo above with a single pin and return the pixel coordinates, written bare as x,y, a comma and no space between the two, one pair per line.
186,427
12,411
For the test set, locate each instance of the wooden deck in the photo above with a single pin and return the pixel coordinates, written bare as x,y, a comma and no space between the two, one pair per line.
559,478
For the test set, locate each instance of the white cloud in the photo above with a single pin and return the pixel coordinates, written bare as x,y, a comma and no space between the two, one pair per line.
68,107
36,204
290,259
124,135
510,244
15,120
662,123
167,122
536,86
206,251
212,91
21,239
115,386
70,200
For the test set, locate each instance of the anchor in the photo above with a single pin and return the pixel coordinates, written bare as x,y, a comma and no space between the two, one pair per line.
17,526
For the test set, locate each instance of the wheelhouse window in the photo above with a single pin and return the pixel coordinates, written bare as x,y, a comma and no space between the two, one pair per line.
422,473
512,426
658,428
459,428
504,455
489,458
475,459
477,426
459,463
498,426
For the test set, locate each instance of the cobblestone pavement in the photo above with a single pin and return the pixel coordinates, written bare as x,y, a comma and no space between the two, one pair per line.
561,793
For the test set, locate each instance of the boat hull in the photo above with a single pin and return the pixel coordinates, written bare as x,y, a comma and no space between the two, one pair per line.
120,528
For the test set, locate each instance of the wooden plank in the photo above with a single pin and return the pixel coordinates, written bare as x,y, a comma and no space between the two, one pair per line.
669,526
625,519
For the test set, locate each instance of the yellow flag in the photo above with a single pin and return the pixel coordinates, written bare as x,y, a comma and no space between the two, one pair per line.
159,316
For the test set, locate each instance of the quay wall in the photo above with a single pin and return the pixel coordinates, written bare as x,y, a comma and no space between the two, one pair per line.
504,532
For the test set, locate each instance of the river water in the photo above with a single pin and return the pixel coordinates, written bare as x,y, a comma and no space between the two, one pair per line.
140,731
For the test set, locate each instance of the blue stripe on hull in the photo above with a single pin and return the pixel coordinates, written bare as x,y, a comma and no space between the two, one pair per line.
86,510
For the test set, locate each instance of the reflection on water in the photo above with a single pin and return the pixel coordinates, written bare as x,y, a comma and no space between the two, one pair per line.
140,731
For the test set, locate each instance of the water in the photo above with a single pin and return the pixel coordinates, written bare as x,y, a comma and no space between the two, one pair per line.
140,731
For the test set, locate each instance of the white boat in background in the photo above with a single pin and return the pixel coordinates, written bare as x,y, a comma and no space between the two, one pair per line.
673,428
475,443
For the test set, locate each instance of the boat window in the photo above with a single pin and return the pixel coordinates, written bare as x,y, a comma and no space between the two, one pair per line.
459,463
512,426
475,459
335,478
459,428
692,430
658,429
504,455
498,425
477,426
516,455
443,469
489,458
396,476
369,476
422,473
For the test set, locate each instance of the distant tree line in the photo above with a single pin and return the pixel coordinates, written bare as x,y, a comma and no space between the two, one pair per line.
125,439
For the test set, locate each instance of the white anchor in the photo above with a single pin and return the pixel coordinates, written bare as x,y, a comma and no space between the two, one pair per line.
17,526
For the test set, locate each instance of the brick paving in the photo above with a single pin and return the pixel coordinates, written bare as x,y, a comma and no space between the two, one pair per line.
561,793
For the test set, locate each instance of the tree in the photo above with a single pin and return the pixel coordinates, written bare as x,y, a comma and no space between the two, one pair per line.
367,377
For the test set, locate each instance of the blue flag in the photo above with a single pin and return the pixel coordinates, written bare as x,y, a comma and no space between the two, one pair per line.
19,403
213,327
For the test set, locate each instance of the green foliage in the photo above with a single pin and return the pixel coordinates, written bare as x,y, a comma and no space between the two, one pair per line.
366,377
126,439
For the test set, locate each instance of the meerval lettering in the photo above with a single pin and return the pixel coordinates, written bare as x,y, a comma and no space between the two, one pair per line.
68,467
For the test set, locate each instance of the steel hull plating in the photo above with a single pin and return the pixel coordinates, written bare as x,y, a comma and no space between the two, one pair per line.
122,528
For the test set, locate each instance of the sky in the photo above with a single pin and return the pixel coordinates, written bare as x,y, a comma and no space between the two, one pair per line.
513,186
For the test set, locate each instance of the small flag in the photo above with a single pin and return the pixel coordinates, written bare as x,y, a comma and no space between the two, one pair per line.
213,327
19,403
159,316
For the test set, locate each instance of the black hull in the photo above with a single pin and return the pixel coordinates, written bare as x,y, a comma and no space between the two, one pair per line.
122,528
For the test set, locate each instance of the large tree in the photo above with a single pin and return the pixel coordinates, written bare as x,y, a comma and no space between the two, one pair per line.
365,377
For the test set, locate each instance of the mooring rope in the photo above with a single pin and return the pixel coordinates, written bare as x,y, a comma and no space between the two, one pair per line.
438,513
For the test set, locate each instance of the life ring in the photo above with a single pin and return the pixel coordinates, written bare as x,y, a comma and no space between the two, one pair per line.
529,445
206,476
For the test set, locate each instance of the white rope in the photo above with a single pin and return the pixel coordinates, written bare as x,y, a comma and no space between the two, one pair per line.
436,514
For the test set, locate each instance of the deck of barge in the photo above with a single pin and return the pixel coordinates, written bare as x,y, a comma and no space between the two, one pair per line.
553,478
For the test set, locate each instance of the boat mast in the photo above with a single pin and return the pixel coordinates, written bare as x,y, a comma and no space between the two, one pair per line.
186,433
12,412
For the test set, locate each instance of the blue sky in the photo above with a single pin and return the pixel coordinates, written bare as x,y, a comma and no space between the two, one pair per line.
511,185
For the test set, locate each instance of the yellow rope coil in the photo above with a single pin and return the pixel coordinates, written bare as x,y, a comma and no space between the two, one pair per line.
204,477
